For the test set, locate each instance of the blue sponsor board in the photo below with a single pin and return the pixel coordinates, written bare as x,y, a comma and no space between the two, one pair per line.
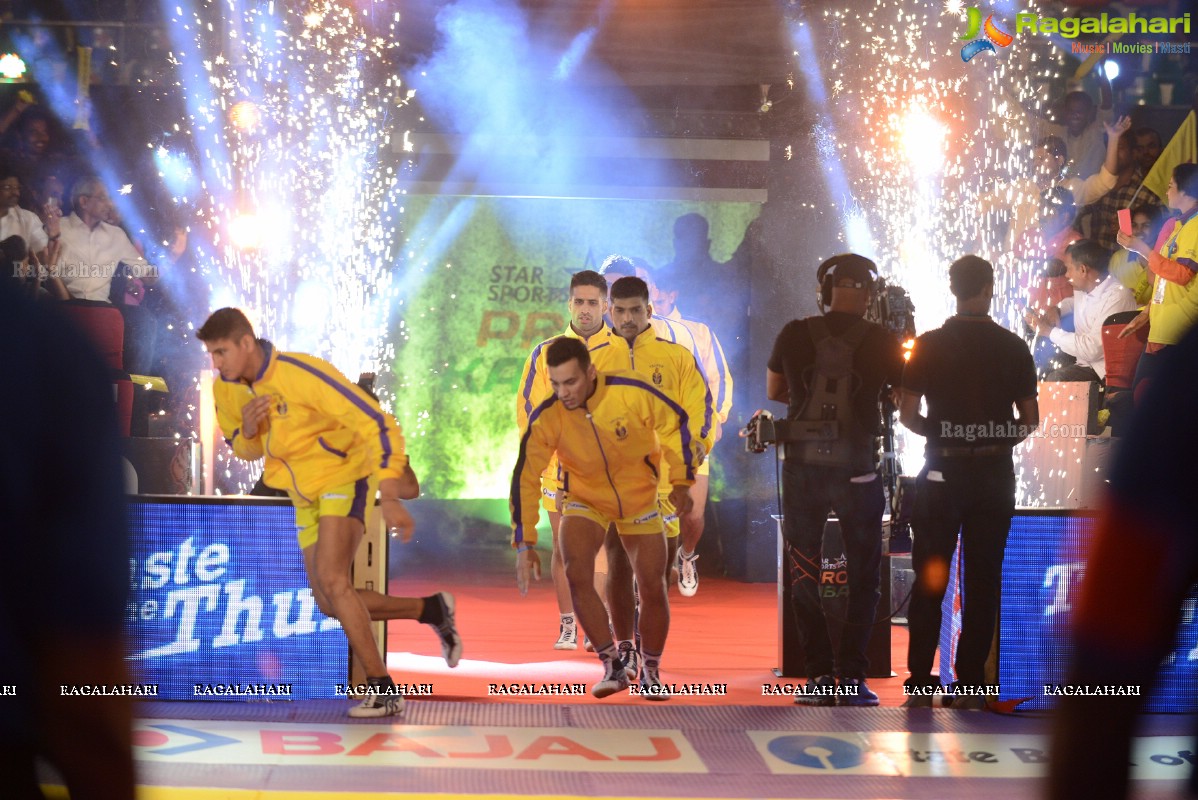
219,598
1043,568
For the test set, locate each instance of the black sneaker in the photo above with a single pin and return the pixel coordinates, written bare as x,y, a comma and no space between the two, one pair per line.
855,692
451,643
820,691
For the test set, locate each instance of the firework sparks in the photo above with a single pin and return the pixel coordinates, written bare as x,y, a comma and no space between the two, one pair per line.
924,141
289,110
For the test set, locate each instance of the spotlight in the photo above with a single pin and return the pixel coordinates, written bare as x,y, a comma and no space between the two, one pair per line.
245,115
12,67
1111,68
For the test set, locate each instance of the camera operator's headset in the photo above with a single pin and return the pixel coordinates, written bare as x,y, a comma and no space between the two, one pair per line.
826,276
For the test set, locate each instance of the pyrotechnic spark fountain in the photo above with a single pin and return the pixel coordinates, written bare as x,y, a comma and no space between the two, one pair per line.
289,108
922,140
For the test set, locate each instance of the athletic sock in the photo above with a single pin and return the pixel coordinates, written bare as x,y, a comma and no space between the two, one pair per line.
432,614
567,619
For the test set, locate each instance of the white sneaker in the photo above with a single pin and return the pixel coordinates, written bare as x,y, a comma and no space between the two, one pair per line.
615,679
379,705
688,574
567,639
651,686
631,659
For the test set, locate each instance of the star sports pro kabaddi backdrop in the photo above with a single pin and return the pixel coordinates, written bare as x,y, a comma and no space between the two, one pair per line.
488,279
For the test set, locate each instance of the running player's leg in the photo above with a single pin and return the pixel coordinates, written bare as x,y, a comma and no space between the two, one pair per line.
581,538
692,524
648,554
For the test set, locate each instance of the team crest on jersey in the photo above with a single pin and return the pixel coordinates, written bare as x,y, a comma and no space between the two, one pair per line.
281,407
657,376
621,428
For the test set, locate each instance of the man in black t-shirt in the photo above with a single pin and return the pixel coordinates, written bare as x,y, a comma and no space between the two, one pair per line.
974,374
825,472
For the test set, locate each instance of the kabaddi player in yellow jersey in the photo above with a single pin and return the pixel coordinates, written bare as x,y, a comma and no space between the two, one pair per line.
702,342
587,305
327,442
613,433
635,345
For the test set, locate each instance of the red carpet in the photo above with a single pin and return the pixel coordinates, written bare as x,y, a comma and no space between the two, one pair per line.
726,634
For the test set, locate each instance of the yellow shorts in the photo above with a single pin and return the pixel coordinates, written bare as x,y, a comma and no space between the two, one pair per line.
705,467
648,522
347,500
549,495
669,516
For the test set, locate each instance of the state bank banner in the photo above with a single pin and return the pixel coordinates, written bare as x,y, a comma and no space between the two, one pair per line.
487,278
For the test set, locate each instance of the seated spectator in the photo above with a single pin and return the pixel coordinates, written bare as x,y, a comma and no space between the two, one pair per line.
1096,295
88,260
1047,291
92,248
1099,221
33,280
17,221
1130,268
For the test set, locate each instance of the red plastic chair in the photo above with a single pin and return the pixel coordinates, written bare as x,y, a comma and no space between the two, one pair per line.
104,327
1122,355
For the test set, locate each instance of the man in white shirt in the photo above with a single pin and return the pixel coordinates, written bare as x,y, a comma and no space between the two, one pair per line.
1096,295
90,253
92,249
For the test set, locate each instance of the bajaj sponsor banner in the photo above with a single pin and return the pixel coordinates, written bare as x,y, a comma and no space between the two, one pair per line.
450,747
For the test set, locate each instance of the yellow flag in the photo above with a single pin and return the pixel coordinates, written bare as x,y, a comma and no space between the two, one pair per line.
1182,148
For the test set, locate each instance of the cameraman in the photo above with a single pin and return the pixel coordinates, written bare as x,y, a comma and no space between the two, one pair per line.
831,371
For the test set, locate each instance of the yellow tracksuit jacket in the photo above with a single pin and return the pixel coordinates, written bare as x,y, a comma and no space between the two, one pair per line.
609,450
668,366
535,388
322,431
705,347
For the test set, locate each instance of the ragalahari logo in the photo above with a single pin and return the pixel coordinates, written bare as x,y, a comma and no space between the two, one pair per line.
993,35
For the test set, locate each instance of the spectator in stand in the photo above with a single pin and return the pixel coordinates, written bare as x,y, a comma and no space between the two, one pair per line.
88,260
1080,124
1099,220
17,221
35,281
1041,207
1173,263
1096,295
1128,267
1146,147
31,147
